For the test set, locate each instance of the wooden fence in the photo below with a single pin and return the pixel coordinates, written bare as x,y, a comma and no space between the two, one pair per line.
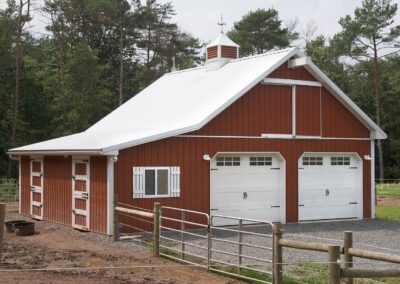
336,272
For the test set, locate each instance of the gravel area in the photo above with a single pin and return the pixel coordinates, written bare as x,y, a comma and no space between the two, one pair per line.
376,235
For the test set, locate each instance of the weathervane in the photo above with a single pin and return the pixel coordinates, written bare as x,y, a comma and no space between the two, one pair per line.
222,24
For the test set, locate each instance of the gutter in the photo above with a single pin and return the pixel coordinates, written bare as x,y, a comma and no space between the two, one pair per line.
12,154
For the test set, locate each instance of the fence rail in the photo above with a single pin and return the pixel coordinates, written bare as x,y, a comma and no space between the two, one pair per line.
192,237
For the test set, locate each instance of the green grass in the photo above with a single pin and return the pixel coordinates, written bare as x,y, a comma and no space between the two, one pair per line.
388,190
388,212
305,273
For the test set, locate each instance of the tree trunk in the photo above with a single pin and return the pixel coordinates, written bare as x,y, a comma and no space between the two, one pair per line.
121,59
378,111
18,54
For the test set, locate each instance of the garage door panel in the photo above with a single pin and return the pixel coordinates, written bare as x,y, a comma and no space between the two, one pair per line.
251,190
328,190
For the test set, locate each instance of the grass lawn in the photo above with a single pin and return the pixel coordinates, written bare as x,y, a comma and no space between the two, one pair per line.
388,190
388,212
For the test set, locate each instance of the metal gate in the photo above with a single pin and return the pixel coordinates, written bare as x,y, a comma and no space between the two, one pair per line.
243,249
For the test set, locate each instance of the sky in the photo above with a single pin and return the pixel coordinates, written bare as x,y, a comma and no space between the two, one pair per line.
200,17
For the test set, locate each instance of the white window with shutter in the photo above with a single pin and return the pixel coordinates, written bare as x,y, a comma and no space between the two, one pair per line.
155,182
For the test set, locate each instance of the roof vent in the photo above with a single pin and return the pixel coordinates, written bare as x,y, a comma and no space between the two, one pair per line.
220,51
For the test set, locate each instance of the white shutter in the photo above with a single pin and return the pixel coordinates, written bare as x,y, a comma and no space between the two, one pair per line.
138,182
175,188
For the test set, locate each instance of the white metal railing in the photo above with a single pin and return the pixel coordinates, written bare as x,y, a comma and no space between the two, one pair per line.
220,249
191,237
176,233
245,261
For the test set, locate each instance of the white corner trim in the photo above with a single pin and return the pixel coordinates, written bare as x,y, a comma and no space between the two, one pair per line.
19,184
290,82
298,62
294,110
373,214
110,193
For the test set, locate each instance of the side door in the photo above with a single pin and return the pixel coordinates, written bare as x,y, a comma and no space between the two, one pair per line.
80,194
36,187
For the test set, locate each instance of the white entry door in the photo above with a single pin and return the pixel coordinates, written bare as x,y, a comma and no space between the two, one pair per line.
36,188
80,194
330,187
247,186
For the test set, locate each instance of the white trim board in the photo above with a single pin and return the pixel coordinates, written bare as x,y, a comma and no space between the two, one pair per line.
289,82
110,194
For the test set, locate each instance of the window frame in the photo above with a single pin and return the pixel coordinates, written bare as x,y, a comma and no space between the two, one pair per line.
266,161
155,177
316,161
234,160
340,161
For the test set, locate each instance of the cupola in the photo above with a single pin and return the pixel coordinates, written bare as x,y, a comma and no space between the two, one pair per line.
220,51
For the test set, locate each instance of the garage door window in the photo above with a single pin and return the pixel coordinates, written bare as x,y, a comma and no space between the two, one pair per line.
228,161
340,161
260,161
312,161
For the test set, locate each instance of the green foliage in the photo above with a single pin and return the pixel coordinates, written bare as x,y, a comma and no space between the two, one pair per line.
388,190
260,31
73,78
326,58
389,212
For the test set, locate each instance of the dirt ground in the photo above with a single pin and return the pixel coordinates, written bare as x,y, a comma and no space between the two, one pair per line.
388,201
77,258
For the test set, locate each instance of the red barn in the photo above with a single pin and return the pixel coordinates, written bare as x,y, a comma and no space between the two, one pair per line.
264,137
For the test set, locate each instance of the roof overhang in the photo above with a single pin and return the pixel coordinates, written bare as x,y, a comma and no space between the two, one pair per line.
69,152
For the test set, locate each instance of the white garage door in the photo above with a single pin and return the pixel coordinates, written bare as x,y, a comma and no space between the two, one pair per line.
247,186
329,187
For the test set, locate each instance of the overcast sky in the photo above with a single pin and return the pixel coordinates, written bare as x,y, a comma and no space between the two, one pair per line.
200,17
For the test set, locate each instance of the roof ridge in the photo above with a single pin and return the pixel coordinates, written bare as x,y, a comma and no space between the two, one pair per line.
235,60
265,54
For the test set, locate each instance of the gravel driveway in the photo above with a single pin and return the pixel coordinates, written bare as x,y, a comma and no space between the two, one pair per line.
376,235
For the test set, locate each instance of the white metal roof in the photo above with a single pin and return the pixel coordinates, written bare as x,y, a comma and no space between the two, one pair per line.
222,39
181,102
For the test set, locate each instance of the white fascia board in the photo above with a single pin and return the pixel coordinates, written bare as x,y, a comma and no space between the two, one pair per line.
376,131
55,152
290,82
298,62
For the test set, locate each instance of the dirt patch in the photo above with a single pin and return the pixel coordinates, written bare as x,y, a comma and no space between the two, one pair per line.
388,201
60,254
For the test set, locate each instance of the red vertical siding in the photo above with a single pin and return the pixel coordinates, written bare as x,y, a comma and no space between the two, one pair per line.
337,121
308,110
264,109
25,185
195,184
57,195
98,194
299,73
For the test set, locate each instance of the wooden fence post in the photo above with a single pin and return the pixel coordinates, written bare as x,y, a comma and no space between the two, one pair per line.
334,265
348,258
2,217
277,253
115,219
156,234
